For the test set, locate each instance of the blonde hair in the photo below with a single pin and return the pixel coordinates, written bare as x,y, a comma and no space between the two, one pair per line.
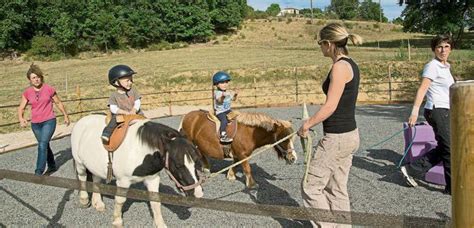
35,69
338,35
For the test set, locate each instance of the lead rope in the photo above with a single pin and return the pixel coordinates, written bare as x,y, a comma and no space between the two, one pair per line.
259,151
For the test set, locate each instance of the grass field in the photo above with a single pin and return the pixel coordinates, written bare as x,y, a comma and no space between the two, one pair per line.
267,51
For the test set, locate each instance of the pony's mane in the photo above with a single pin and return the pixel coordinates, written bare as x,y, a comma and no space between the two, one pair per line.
260,120
153,134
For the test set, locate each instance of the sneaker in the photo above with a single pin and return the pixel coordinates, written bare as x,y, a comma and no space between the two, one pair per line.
224,138
421,165
447,192
105,139
50,171
408,179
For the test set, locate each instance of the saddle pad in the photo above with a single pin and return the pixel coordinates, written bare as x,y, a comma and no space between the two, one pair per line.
120,131
231,128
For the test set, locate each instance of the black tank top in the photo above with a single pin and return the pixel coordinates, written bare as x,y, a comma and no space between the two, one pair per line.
343,119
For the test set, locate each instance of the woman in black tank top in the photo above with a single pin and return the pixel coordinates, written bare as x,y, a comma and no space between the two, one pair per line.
326,186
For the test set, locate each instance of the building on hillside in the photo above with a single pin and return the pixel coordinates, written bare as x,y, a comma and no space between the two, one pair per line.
288,12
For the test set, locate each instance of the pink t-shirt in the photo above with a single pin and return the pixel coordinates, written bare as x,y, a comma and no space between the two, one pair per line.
41,103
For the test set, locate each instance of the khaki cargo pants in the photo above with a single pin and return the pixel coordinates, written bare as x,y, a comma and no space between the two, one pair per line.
326,186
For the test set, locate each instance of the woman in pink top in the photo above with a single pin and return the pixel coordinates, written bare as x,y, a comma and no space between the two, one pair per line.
43,120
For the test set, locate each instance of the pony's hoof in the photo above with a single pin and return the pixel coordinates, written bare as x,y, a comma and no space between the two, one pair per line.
118,223
161,225
231,177
100,207
253,186
206,171
84,203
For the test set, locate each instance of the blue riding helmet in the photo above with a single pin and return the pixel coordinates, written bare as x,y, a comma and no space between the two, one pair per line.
220,76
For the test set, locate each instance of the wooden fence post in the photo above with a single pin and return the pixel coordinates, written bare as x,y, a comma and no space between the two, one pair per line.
296,85
66,85
169,98
409,50
255,91
78,94
389,83
462,153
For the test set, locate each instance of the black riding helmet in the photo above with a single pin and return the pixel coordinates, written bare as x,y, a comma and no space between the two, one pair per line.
119,71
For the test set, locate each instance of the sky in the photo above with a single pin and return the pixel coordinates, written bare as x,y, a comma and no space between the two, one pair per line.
390,8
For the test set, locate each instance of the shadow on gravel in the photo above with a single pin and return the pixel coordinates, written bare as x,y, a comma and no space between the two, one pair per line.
392,112
60,209
62,157
31,208
183,213
383,162
268,193
2,225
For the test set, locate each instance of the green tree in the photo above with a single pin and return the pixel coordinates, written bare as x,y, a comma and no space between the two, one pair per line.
398,21
102,29
370,11
65,31
186,22
14,21
317,12
225,15
141,26
273,9
435,17
345,9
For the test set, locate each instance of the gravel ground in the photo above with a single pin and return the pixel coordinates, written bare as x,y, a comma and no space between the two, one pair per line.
375,185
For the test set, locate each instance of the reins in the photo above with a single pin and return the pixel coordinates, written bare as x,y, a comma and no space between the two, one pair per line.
259,151
179,185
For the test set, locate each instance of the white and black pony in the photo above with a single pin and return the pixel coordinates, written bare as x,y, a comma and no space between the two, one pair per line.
147,148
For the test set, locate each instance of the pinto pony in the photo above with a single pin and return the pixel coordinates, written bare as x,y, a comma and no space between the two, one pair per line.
253,131
147,148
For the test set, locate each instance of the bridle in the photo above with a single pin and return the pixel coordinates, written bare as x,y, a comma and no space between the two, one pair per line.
287,151
179,185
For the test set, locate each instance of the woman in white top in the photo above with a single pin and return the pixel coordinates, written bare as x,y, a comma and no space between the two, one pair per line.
435,85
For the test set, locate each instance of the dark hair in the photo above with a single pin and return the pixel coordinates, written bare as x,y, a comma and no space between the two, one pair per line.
440,39
34,69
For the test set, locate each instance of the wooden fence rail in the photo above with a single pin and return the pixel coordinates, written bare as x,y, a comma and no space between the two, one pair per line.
298,90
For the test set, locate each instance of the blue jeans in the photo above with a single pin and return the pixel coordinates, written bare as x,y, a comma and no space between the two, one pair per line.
223,118
44,132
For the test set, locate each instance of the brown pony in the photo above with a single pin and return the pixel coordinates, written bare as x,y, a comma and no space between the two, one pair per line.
253,131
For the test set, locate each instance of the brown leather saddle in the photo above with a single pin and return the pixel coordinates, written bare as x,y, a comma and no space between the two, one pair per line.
231,130
118,135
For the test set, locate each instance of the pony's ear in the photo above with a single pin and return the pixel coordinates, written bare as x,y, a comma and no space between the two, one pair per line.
277,125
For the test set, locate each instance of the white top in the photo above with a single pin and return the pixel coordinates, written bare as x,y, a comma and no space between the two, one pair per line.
225,105
441,79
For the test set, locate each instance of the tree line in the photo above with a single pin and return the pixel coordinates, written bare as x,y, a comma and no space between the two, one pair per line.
366,10
69,27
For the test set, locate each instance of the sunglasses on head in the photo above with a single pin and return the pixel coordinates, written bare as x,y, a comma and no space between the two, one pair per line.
322,41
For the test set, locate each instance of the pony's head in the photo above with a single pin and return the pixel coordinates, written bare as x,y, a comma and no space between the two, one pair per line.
184,166
176,154
285,149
